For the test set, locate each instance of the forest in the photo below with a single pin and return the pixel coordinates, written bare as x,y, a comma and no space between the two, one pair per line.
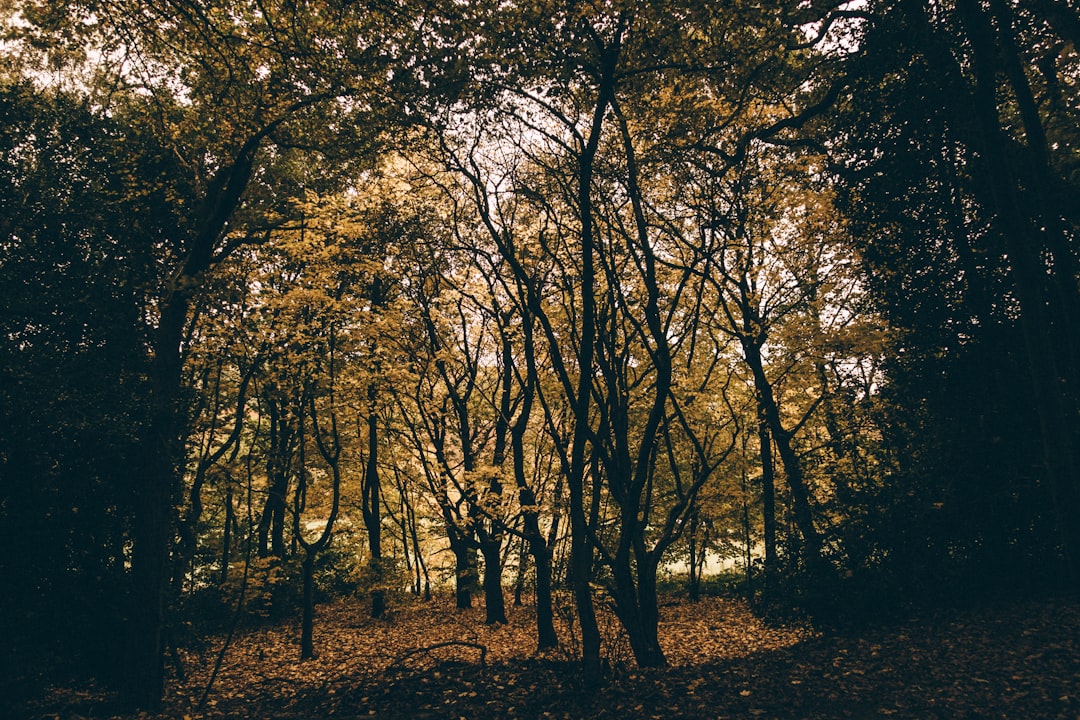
373,359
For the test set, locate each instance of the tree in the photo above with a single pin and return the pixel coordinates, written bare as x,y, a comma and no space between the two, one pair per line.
237,102
85,199
328,442
972,136
588,131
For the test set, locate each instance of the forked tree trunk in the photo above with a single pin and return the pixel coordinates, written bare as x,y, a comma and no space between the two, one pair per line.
634,591
800,496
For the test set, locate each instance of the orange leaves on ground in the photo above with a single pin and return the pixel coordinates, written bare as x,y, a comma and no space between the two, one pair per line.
429,660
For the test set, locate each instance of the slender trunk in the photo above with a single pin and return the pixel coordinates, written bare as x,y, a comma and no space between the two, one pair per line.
307,622
328,443
187,529
692,584
581,550
539,546
406,554
226,536
490,531
373,510
279,457
276,500
748,537
541,552
186,533
522,568
630,474
421,566
768,501
263,529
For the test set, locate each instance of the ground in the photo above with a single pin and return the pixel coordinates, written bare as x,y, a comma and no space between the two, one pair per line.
429,660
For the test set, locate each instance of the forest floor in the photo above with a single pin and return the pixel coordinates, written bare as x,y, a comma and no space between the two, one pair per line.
428,661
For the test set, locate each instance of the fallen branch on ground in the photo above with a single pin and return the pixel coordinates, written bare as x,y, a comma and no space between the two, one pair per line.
400,659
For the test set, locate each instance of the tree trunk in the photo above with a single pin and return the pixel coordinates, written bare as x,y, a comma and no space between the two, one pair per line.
692,587
650,654
163,449
494,603
581,556
539,547
748,536
465,577
768,501
279,456
581,550
226,536
152,526
307,622
636,607
421,566
546,637
372,511
522,569
329,446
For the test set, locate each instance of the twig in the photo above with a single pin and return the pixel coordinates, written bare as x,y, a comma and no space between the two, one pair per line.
449,643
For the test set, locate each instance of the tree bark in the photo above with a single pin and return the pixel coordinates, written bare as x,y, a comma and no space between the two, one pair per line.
279,458
812,546
153,521
494,602
372,507
307,621
768,500
693,589
465,576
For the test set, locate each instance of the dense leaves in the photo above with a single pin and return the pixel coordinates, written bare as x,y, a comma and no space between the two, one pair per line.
945,202
88,202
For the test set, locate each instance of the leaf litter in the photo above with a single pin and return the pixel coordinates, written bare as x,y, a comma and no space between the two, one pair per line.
430,660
